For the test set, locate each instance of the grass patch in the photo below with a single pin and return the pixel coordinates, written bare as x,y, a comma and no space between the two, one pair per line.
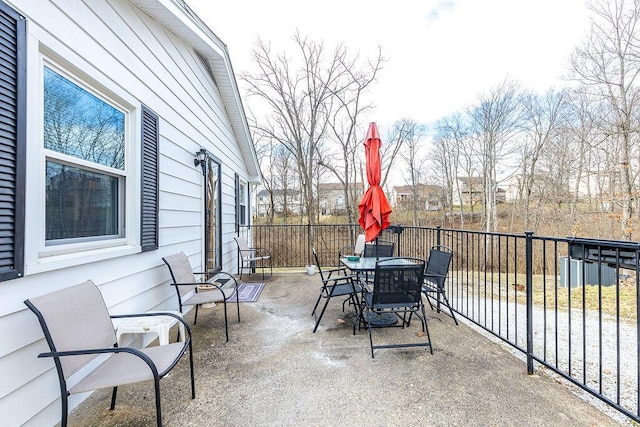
615,300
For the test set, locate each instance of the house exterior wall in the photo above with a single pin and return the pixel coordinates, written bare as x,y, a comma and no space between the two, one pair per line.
126,54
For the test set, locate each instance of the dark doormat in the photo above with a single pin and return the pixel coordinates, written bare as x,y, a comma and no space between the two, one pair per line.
248,292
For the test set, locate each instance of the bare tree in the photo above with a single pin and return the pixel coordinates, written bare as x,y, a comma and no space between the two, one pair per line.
543,117
345,127
449,143
391,148
608,63
494,123
299,95
412,139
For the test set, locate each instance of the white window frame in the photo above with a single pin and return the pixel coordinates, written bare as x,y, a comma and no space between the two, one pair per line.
40,256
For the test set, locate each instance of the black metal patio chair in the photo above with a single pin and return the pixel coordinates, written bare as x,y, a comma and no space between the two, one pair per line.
435,278
380,248
335,283
396,290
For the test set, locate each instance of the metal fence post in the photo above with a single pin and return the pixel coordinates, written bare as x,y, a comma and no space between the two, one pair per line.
309,244
438,238
529,284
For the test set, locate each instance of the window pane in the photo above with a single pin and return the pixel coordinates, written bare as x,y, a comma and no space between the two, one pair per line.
243,193
243,215
80,124
80,203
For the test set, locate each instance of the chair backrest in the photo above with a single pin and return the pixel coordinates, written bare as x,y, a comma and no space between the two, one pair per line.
315,256
381,248
242,243
74,318
398,282
181,272
356,249
360,243
438,265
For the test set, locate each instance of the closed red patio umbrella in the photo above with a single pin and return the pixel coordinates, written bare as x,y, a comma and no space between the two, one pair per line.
374,207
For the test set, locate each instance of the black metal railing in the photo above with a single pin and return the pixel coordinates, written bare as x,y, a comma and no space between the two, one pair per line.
568,304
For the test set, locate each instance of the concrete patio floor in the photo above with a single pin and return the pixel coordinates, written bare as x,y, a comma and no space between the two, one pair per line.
276,372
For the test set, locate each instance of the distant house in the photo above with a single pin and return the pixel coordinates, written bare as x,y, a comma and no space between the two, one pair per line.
104,105
277,201
469,190
331,197
429,197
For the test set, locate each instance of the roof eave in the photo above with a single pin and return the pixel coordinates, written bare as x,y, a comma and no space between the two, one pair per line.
178,18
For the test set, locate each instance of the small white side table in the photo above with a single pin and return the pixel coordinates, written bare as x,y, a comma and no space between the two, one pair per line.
159,325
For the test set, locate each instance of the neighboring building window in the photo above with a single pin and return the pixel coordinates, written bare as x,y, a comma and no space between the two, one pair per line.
84,141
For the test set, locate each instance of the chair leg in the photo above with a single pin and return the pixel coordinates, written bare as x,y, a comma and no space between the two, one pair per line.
313,313
64,400
193,381
321,314
195,317
446,301
370,333
113,398
426,327
226,326
156,384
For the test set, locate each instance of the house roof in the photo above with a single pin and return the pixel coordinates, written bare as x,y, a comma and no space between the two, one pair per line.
329,186
265,192
178,18
470,181
406,189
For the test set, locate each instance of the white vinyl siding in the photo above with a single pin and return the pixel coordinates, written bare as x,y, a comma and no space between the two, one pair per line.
118,49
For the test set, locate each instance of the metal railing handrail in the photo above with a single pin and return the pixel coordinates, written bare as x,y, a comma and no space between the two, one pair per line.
539,294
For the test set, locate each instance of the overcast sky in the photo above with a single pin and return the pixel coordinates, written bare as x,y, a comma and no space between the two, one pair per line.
441,53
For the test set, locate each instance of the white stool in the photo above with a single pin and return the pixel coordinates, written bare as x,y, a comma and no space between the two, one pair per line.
159,325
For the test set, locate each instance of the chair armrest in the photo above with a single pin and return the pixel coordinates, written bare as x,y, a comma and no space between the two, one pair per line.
262,251
190,284
431,277
366,288
336,270
338,280
133,351
255,252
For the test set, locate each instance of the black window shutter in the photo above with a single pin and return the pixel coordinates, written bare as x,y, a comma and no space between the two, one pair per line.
12,141
237,181
150,180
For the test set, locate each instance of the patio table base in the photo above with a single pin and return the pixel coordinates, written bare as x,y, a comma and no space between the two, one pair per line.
378,320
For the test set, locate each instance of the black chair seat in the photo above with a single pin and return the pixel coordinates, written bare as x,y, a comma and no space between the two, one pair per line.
341,290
